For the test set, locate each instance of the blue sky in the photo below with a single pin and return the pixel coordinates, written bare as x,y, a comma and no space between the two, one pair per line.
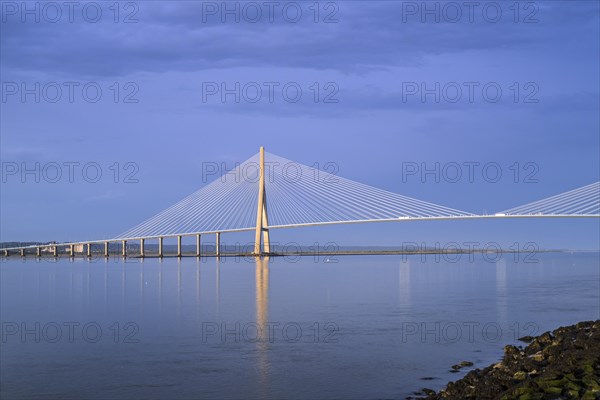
158,66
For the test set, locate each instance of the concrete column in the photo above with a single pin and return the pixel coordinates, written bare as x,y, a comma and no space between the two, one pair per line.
198,252
124,249
22,252
72,250
265,229
218,244
262,221
6,253
178,246
105,249
89,249
141,247
160,246
260,206
55,251
38,251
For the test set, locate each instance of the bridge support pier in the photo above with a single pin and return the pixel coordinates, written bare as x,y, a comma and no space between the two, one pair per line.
55,251
218,244
262,220
72,250
6,253
178,246
198,251
142,247
160,246
266,238
22,252
105,249
124,249
38,251
89,249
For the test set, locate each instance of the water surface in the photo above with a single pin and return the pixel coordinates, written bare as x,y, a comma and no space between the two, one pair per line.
343,327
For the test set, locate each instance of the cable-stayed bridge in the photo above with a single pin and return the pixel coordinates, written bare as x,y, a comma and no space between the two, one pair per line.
270,192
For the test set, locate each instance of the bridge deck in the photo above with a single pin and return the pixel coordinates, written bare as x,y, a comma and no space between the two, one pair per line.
401,219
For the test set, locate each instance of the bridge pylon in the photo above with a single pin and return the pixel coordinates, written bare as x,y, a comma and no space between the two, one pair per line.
262,243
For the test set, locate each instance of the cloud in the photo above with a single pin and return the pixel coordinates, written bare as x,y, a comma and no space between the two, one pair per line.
173,37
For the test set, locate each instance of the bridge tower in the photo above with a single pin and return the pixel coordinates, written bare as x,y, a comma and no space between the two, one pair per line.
262,220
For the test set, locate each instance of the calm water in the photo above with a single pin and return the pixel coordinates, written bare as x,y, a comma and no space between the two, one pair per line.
361,327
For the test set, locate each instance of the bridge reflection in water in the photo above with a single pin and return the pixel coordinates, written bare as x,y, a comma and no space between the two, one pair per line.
262,318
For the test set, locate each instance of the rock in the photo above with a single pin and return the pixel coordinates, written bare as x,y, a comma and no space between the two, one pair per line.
498,365
511,351
520,375
466,364
428,392
537,356
553,390
545,338
564,363
526,339
590,395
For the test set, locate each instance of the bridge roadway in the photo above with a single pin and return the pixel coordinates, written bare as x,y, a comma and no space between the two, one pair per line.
53,247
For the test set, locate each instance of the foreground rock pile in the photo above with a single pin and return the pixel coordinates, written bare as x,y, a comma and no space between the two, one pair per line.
564,364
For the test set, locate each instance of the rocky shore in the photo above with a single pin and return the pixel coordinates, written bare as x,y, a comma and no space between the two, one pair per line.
563,364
